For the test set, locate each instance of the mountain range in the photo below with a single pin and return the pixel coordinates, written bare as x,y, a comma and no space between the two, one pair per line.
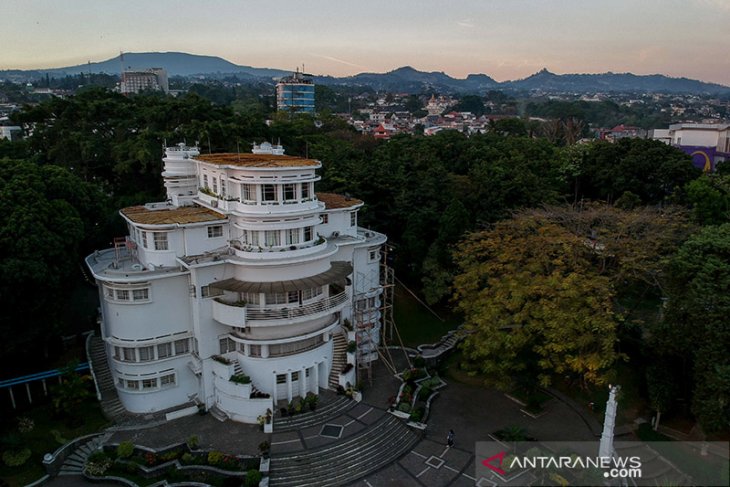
405,79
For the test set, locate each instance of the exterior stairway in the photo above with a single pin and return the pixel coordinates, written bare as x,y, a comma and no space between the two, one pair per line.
74,464
110,403
334,407
339,359
344,461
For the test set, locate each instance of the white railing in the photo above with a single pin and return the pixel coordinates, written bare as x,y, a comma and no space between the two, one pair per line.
306,310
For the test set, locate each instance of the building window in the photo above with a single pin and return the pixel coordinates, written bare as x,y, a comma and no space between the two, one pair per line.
305,191
271,238
205,181
292,236
182,346
146,354
281,378
149,383
133,384
294,376
164,350
268,192
209,292
254,351
353,218
307,234
215,185
144,240
160,240
227,345
167,380
290,192
374,255
311,293
141,294
215,231
252,298
109,292
292,297
248,192
276,298
122,294
223,187
325,218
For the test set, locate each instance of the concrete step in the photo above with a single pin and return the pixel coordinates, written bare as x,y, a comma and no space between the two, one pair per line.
344,461
321,415
218,414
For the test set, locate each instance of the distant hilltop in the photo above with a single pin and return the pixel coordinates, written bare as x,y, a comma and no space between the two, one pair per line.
404,79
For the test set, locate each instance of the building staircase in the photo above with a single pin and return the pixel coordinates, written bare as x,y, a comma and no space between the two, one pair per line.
74,464
339,359
344,461
111,406
330,406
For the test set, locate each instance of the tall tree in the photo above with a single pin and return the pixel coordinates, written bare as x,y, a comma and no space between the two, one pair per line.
529,294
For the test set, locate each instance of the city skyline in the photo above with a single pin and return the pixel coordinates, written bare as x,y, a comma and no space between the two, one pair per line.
505,40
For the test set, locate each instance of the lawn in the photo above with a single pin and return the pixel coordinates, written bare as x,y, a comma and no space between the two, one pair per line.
41,440
416,324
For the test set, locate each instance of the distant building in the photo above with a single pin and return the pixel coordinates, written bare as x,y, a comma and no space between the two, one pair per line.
154,79
295,94
622,132
10,133
708,144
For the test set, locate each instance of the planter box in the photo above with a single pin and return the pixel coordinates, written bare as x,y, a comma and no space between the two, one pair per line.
229,315
269,427
347,377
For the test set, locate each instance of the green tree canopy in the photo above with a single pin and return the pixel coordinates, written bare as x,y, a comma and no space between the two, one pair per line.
534,304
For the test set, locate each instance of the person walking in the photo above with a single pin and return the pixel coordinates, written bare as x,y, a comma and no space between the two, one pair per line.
450,438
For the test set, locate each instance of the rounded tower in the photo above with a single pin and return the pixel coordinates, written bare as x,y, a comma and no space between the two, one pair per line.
180,176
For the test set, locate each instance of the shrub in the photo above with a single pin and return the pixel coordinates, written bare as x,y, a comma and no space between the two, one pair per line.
187,458
125,449
150,458
192,442
58,437
215,457
25,424
417,415
351,347
97,464
405,407
240,379
16,458
253,477
264,447
170,455
347,368
419,361
424,393
221,359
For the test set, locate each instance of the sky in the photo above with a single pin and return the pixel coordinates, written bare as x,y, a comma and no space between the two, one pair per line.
506,39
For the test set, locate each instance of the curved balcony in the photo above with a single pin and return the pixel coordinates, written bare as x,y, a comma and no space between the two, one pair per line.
231,314
308,311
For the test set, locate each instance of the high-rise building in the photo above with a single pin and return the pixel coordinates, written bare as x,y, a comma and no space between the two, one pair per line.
243,289
149,79
295,94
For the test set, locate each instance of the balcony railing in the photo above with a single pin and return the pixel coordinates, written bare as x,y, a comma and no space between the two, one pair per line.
307,310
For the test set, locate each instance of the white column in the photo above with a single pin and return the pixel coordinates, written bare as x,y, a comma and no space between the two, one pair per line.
274,395
288,387
605,448
303,382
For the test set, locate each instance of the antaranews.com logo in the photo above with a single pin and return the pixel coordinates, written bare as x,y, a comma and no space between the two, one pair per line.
639,463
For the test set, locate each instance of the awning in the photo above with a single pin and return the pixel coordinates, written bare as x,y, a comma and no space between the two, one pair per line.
336,274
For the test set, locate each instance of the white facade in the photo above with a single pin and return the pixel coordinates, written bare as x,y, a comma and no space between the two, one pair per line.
246,262
696,135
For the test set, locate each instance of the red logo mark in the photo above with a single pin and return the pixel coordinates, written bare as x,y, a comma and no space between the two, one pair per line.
488,463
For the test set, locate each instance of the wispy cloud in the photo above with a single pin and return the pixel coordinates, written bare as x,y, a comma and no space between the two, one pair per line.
466,23
336,60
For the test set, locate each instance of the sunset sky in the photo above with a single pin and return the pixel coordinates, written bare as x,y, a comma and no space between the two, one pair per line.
506,39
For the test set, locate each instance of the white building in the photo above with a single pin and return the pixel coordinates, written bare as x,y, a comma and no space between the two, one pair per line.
154,79
245,264
708,144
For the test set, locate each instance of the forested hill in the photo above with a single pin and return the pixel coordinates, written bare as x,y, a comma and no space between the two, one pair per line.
404,80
